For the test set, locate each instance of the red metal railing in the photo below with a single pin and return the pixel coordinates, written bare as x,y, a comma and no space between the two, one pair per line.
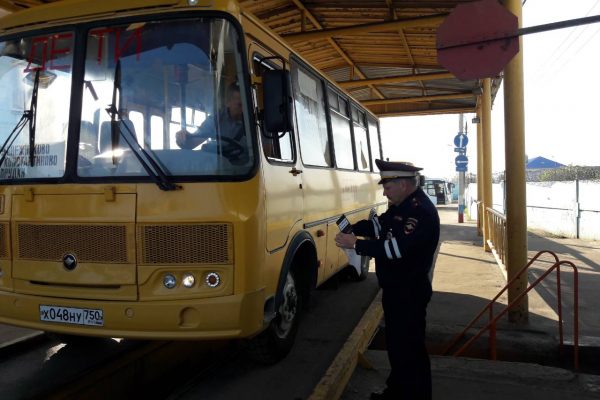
491,326
496,234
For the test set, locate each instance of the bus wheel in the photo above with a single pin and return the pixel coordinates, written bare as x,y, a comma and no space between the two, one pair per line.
274,343
364,269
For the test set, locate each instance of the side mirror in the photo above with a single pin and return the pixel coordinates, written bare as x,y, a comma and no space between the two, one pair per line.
277,101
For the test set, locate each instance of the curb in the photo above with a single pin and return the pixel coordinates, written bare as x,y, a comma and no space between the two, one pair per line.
337,376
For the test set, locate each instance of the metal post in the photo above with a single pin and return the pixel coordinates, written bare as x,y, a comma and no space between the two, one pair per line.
516,208
577,209
461,181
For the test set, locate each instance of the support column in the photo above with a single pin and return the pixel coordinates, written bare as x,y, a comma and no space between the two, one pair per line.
481,209
516,206
486,144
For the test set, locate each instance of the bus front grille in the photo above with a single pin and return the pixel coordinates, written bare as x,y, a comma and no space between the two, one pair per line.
90,243
185,244
4,240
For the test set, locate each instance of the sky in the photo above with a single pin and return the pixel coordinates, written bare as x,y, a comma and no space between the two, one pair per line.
562,101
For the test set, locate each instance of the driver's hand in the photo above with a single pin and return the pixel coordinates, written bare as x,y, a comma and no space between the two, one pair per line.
181,138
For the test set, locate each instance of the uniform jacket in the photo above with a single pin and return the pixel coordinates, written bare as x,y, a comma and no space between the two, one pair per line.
405,240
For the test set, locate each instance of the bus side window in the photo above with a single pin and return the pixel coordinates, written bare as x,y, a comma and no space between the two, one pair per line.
311,117
374,147
341,131
361,146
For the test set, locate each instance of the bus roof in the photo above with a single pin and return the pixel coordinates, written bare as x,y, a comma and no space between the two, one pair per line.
66,11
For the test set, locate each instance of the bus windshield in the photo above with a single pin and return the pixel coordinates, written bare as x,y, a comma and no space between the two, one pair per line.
144,84
35,83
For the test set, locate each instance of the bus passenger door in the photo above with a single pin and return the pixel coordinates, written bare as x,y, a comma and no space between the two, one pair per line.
283,191
282,177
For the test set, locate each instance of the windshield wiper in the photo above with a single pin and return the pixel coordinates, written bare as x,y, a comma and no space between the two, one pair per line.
28,116
152,168
32,114
13,136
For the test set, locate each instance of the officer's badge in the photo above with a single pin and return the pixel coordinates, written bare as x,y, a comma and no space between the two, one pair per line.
410,226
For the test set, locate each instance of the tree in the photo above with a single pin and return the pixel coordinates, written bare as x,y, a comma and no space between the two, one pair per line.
570,173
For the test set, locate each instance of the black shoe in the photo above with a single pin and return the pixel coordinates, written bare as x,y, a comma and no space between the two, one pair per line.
385,395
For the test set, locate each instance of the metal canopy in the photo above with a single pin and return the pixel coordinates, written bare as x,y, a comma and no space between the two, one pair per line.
382,52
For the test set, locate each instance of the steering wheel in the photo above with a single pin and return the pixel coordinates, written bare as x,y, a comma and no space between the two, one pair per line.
231,148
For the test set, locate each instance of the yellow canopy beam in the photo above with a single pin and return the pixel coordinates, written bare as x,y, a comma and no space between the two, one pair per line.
453,96
408,113
397,79
431,21
333,43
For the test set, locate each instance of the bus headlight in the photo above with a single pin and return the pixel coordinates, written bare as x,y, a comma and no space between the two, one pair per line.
212,280
188,280
169,281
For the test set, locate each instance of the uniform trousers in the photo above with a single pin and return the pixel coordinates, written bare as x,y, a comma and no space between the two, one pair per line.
405,313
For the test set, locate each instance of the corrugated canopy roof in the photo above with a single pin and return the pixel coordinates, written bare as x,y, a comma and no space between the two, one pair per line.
383,52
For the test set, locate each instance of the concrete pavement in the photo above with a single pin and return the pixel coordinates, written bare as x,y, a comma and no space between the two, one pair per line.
475,379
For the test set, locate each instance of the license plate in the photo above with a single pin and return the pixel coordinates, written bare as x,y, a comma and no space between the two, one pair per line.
71,315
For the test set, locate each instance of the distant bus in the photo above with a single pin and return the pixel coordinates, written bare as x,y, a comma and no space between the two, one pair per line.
439,190
109,228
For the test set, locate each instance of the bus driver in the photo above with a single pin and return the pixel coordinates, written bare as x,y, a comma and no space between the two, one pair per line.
229,125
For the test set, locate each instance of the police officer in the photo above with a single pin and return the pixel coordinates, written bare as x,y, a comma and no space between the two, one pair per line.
407,236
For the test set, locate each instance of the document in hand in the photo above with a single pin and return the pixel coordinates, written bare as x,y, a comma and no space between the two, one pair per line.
344,225
353,258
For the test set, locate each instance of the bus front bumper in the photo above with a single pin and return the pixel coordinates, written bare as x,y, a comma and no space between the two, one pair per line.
223,317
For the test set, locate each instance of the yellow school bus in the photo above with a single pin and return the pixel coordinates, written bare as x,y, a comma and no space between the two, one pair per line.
170,169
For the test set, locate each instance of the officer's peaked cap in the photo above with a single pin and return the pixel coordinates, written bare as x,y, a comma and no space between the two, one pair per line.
396,169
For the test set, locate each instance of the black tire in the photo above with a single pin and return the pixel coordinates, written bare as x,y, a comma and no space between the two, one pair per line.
364,269
275,342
